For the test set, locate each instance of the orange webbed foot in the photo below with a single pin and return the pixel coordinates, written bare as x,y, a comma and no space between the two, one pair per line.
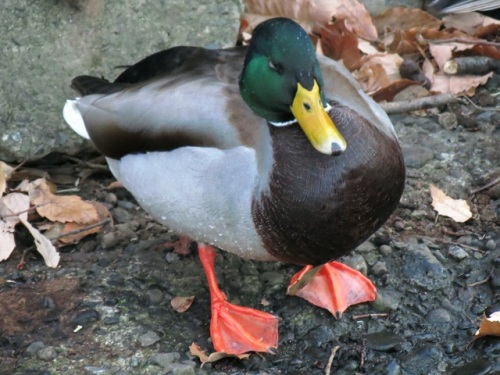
332,286
236,329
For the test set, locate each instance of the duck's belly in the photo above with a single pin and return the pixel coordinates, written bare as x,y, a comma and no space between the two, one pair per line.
202,193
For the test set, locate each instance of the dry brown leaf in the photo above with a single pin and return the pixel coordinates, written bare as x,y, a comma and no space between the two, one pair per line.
63,208
457,209
70,226
5,172
400,18
10,205
338,42
181,304
457,85
43,245
469,22
310,14
490,323
195,350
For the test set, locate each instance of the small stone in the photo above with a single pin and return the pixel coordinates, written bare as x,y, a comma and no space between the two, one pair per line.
182,369
129,206
425,360
385,250
356,262
399,226
448,120
109,240
383,341
421,268
111,320
418,214
35,347
86,317
438,315
476,367
495,279
379,268
365,247
47,353
387,300
94,370
491,245
416,156
111,198
120,215
457,253
155,296
164,359
149,338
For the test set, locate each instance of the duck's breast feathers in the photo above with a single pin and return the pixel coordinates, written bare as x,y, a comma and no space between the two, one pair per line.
162,103
320,207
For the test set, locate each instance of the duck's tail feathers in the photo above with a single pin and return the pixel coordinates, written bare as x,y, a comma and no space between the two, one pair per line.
74,118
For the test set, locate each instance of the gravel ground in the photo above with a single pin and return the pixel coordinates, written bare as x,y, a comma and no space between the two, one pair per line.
435,278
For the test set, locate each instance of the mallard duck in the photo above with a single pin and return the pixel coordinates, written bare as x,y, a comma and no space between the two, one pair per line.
268,152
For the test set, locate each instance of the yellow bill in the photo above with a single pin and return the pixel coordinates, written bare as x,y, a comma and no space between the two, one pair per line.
315,121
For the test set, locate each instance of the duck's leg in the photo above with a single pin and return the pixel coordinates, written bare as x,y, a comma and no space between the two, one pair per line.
236,329
332,286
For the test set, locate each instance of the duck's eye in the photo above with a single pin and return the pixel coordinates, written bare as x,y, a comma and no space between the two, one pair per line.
307,107
275,66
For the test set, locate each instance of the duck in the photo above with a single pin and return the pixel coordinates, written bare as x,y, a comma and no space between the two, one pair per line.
269,152
489,8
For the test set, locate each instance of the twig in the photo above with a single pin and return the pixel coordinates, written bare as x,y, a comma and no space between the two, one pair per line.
379,315
479,107
463,41
480,282
83,229
330,360
487,186
23,211
420,103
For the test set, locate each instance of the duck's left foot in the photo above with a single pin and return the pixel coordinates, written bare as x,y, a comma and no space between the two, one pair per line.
236,329
332,286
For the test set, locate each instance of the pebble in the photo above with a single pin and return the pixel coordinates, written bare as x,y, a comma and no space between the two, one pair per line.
149,338
94,370
448,120
399,226
109,240
155,296
86,317
356,262
438,315
35,347
387,300
365,247
383,341
418,214
416,156
457,253
129,206
423,269
164,359
121,215
394,368
111,198
385,250
47,353
111,320
379,268
495,279
476,367
491,245
422,361
182,369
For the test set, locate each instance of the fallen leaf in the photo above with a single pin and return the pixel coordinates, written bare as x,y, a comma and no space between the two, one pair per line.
181,304
102,212
43,245
310,14
63,208
10,206
339,42
5,172
195,350
457,85
457,209
490,323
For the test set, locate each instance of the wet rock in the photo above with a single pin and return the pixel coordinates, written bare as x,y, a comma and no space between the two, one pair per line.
35,347
438,316
149,338
95,370
383,341
110,240
356,262
457,253
365,247
86,317
416,156
394,368
448,120
421,268
491,245
422,361
165,359
182,369
476,367
387,300
110,198
155,296
111,320
385,250
47,353
121,215
379,268
495,279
